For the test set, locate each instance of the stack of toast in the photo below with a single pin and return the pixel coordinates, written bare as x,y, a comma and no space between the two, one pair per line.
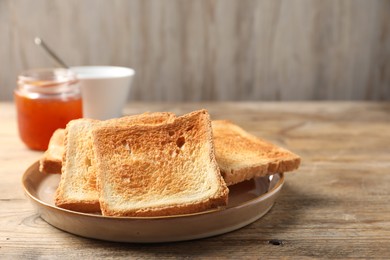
156,164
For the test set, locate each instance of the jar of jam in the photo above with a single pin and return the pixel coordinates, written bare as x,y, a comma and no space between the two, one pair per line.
46,99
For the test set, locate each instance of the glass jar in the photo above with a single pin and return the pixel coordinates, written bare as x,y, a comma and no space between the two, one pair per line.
46,99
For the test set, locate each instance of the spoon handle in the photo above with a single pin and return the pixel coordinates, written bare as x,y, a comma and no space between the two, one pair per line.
40,42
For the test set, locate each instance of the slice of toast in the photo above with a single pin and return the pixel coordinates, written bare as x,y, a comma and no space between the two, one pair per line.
51,161
158,170
77,189
242,156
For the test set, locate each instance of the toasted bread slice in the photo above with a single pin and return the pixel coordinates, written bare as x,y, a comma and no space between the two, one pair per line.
242,156
51,161
158,170
77,189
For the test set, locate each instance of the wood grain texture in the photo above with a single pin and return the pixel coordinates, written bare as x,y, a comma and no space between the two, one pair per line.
335,206
210,50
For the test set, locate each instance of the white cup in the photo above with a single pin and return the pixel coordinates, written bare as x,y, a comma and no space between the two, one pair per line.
104,90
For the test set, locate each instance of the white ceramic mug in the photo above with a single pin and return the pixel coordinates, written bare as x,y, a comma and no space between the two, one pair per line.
104,90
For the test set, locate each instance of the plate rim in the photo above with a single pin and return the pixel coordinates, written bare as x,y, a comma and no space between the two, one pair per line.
279,184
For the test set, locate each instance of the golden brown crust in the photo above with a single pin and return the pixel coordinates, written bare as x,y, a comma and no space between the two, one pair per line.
179,209
81,206
51,161
147,118
154,170
242,156
50,166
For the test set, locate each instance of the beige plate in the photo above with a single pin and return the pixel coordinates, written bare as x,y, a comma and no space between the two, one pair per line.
248,201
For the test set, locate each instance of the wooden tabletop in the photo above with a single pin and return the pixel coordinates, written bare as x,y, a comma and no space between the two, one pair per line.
337,205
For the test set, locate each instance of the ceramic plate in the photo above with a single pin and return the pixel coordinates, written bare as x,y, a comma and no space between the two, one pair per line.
248,201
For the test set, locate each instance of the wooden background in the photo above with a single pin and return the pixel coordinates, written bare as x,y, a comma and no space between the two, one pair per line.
210,49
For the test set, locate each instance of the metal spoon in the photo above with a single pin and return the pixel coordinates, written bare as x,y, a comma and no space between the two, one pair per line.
40,42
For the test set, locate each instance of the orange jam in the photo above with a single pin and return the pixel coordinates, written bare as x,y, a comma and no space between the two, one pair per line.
45,101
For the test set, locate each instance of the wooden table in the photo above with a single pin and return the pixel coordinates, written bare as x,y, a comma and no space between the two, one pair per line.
336,205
